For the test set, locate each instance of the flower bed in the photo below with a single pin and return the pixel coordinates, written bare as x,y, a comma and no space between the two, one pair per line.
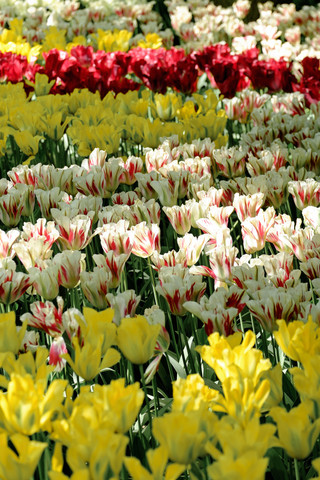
159,245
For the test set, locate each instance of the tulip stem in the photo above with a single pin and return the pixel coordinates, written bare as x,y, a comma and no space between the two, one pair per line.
172,332
296,469
170,368
155,396
153,282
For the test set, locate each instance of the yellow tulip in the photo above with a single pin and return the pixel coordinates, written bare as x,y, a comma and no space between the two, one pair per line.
242,399
307,380
296,338
115,41
152,40
157,460
26,363
167,105
225,352
119,403
26,408
316,466
41,86
10,337
19,465
27,143
87,362
99,323
297,433
54,38
137,339
249,465
254,437
83,474
191,393
181,434
274,376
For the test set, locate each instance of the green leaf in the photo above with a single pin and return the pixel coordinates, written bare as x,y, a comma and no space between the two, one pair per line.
277,467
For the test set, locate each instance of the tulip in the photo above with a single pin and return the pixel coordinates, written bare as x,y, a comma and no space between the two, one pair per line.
11,207
120,403
157,459
145,239
58,348
88,359
95,285
7,240
46,316
181,434
305,193
116,237
46,282
26,408
13,284
248,205
21,462
137,339
179,217
255,230
70,264
11,337
297,433
145,186
169,259
48,199
113,264
177,285
250,464
75,232
124,304
311,217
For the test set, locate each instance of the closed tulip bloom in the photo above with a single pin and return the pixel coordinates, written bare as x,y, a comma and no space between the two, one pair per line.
58,348
13,285
146,239
46,282
137,339
255,230
192,246
179,217
124,304
74,232
95,285
305,193
115,237
70,264
11,207
48,199
113,264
